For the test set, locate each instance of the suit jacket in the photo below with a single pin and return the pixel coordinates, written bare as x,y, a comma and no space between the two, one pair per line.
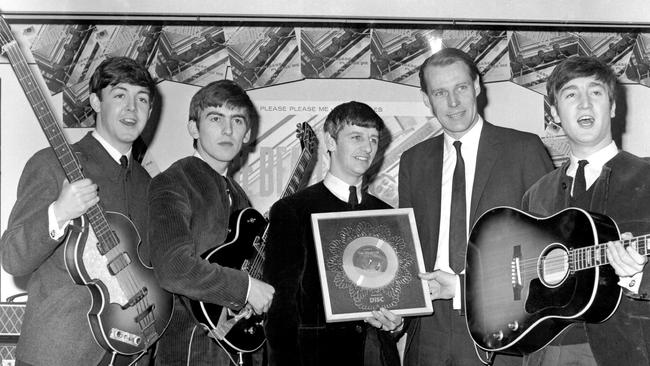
622,193
508,162
190,207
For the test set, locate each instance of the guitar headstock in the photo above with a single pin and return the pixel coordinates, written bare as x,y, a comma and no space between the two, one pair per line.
5,32
307,137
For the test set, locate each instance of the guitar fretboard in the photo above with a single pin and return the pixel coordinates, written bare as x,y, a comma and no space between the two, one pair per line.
293,184
54,133
594,256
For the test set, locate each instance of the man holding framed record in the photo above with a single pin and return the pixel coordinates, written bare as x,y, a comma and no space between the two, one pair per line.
296,328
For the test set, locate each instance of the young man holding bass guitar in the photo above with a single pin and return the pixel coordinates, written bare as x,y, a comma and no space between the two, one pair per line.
190,206
598,178
55,329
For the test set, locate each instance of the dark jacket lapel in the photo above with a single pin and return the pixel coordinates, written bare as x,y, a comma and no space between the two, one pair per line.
489,148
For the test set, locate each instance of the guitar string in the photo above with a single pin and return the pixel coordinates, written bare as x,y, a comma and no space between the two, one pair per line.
258,260
26,77
582,258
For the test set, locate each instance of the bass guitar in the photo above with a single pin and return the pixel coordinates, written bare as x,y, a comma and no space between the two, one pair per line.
244,249
529,278
129,310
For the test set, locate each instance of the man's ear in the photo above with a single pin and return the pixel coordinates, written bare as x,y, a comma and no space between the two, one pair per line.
247,136
193,129
95,103
477,86
556,116
425,99
612,112
330,142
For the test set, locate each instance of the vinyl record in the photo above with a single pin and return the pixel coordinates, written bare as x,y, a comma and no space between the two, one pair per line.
370,262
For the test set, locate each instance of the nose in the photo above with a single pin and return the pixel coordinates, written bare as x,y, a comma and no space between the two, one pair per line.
130,104
585,101
227,128
452,100
367,147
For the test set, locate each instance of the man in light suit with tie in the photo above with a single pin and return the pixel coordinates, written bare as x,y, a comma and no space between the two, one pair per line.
450,180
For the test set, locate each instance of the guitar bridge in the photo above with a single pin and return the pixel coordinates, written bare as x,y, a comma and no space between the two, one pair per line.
515,265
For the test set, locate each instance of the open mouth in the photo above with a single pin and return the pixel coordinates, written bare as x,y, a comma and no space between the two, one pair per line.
129,121
586,121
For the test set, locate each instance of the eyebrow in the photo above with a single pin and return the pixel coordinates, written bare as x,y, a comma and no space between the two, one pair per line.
591,84
143,91
215,113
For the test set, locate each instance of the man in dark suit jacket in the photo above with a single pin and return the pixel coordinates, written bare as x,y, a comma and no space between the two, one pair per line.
582,94
296,328
499,165
190,204
55,329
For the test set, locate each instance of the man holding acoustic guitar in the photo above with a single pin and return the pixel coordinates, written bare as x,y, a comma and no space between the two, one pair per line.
55,329
600,179
190,206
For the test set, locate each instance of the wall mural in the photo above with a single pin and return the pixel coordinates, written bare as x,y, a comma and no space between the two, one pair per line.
258,57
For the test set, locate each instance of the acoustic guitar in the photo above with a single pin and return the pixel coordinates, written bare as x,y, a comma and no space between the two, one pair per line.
529,278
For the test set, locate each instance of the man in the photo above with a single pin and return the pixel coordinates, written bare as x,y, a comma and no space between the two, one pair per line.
55,329
296,329
190,206
499,165
601,179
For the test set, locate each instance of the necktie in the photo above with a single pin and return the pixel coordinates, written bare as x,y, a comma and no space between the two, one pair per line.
458,216
579,182
353,201
124,162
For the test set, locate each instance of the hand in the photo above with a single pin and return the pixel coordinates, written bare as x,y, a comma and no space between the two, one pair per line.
625,260
260,296
442,285
386,320
75,199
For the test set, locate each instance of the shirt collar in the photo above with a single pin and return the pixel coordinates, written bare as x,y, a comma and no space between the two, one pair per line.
596,160
471,138
339,188
198,155
113,152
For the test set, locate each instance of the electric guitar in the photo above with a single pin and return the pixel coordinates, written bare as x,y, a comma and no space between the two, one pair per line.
245,249
129,310
528,278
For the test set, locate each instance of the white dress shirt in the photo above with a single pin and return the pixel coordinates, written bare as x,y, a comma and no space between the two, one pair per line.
469,151
339,188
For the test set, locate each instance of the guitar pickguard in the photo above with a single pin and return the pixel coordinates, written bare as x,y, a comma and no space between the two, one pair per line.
558,300
96,264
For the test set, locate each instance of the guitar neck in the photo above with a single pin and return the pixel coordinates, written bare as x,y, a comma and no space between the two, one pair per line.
594,256
49,124
292,187
54,133
297,174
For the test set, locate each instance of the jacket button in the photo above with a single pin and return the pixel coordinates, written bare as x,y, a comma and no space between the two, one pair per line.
358,329
564,185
